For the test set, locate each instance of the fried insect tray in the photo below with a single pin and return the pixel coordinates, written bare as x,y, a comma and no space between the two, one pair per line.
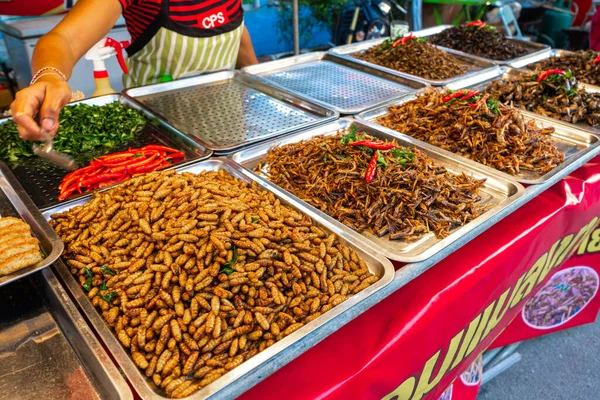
224,386
528,62
15,203
227,110
346,87
573,142
537,51
512,73
41,179
482,69
47,349
498,192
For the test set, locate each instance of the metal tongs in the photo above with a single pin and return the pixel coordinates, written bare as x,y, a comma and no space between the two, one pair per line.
47,152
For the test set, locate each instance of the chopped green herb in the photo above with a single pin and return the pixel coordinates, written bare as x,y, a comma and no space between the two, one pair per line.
108,271
226,268
325,159
381,160
88,272
255,220
87,285
103,287
403,155
108,297
349,137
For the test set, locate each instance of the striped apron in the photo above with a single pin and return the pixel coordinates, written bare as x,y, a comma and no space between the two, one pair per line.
179,56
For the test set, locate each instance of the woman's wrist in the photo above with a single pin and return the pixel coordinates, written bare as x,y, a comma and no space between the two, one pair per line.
46,72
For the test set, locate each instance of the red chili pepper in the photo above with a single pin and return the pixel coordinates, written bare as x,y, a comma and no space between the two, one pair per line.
452,96
141,161
116,157
376,145
472,93
175,156
159,148
100,178
65,194
474,23
146,168
480,102
403,40
542,76
371,169
483,25
597,59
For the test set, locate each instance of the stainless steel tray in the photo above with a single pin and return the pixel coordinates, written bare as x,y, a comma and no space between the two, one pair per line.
228,110
377,265
344,86
498,192
573,142
482,69
14,202
528,63
512,73
47,349
538,51
40,179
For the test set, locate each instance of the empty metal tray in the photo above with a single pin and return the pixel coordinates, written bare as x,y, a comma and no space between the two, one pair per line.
15,203
498,192
346,87
235,378
228,110
482,69
41,179
537,51
573,142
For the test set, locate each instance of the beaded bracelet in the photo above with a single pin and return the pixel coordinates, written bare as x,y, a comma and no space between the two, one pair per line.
41,73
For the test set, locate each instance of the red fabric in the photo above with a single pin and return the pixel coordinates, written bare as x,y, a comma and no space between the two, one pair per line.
399,346
595,31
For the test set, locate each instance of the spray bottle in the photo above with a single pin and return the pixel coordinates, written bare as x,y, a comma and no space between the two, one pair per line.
102,50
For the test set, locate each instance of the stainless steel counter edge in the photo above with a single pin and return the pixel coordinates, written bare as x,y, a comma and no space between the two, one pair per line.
401,278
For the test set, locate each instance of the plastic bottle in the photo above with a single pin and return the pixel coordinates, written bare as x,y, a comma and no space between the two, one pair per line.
104,49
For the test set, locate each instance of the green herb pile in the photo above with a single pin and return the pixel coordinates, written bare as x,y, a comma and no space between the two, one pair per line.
86,131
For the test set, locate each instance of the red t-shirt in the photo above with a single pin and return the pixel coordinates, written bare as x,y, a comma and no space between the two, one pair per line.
196,18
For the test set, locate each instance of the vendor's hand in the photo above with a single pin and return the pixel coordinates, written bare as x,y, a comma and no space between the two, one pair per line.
47,96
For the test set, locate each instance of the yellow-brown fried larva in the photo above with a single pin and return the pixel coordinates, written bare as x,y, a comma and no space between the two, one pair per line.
198,273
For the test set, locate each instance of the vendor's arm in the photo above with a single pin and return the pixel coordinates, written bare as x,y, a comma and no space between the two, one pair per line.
87,23
246,55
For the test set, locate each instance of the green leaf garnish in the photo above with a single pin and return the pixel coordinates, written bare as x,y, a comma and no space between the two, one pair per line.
108,271
226,268
108,297
381,160
88,272
87,285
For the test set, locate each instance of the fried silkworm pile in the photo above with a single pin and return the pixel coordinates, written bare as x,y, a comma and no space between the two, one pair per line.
478,128
561,298
581,63
557,98
198,273
486,42
409,196
415,57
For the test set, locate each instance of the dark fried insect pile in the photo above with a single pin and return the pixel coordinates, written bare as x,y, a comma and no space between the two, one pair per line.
409,196
415,57
198,273
582,64
478,128
486,42
557,97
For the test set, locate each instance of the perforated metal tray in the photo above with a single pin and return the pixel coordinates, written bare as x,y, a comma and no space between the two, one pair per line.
15,203
570,140
346,87
233,380
228,110
498,192
512,73
537,51
41,179
481,69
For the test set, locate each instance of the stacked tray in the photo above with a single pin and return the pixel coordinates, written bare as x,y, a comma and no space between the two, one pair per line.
499,191
346,87
482,69
41,179
526,62
537,51
512,73
225,111
573,142
15,203
232,383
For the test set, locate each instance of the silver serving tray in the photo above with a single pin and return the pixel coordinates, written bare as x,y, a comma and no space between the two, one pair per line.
376,263
227,110
573,142
498,193
512,73
483,69
527,62
41,184
538,52
339,84
14,202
